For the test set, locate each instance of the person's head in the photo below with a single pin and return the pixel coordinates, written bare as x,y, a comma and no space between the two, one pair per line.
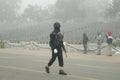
99,33
56,26
109,33
84,34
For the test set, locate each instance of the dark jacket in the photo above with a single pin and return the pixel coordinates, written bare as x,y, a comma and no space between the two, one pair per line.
85,38
54,41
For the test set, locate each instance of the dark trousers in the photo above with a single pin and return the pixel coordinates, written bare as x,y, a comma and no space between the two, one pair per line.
55,55
85,48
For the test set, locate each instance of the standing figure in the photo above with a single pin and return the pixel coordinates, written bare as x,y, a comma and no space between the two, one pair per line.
56,44
109,42
99,42
85,41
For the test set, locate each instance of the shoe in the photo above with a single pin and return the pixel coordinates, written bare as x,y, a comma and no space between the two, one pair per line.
98,54
109,55
47,69
85,53
61,72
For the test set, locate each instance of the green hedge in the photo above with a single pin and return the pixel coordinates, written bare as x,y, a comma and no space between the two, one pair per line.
1,44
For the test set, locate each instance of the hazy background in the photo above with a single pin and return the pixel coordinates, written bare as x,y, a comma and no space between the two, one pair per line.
33,19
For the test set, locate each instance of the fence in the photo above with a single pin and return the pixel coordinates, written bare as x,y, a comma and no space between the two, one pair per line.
33,45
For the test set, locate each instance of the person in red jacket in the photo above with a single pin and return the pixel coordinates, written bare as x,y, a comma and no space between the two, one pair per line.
109,42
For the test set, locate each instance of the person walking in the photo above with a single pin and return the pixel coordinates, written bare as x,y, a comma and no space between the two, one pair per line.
99,42
85,41
56,44
109,42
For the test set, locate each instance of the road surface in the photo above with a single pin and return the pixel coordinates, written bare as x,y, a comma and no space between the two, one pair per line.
18,64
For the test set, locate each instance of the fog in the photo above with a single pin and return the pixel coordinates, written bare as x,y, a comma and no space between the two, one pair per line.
75,16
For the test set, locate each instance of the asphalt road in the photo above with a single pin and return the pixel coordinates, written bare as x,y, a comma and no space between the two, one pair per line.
30,66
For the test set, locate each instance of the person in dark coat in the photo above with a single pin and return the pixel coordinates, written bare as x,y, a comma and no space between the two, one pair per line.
85,41
56,44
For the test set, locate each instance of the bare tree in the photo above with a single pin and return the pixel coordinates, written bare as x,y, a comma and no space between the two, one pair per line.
9,9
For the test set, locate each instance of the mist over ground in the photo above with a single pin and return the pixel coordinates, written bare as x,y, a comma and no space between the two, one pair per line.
75,16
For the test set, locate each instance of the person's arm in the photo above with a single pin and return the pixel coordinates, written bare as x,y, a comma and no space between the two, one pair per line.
64,48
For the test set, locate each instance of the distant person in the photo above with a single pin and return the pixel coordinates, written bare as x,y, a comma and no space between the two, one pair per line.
119,35
99,42
115,42
109,42
85,41
56,44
